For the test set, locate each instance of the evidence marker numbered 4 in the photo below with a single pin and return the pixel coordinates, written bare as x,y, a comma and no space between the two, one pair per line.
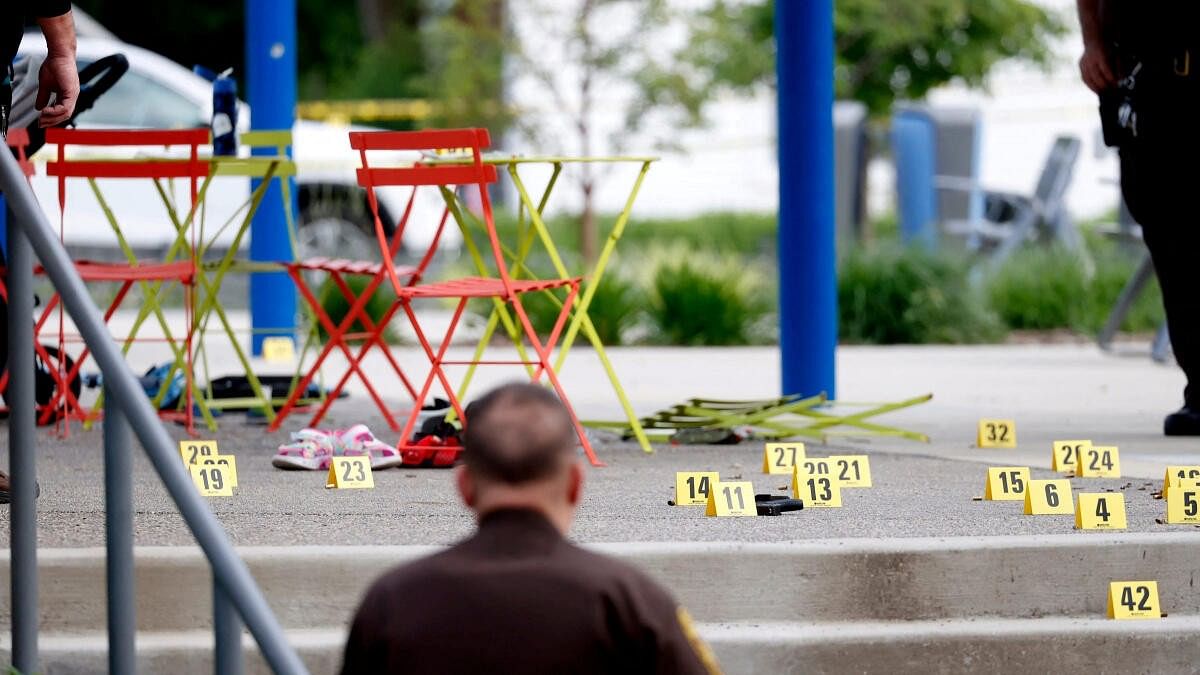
1100,511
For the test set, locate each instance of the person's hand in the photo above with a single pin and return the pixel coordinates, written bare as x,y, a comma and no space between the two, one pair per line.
1097,73
59,77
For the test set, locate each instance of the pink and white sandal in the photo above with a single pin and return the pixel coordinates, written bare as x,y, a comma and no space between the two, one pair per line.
309,449
358,440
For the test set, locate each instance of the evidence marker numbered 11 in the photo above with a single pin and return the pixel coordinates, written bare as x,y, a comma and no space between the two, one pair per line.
781,457
1065,455
731,498
1006,483
996,433
692,487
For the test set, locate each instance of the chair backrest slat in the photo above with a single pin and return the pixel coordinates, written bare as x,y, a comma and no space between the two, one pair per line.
428,175
124,169
155,137
433,139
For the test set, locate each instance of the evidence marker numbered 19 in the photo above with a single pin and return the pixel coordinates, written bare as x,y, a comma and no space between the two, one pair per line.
731,498
996,433
1049,498
781,457
212,480
1175,475
1006,483
815,485
1133,600
1099,461
692,487
1100,511
1065,456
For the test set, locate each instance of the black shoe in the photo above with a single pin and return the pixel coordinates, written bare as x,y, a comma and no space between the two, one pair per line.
1183,422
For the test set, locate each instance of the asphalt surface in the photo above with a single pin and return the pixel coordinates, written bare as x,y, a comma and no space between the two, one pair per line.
913,496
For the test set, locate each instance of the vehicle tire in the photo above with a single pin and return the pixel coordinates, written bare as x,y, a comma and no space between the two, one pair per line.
336,229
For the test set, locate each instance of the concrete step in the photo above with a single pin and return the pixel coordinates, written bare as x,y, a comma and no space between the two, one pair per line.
851,580
1046,645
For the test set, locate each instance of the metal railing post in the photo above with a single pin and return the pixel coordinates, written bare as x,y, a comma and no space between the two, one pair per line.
118,521
227,634
22,455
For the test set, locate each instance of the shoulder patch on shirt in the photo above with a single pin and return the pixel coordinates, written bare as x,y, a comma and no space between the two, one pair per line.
703,651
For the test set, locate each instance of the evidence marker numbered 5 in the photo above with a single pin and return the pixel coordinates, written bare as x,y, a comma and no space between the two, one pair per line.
1006,483
781,457
692,487
1183,503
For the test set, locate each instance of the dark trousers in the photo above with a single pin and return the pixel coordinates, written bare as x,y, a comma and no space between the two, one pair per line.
1160,180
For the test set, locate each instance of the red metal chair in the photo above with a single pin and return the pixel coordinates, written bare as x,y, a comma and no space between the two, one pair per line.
472,175
179,266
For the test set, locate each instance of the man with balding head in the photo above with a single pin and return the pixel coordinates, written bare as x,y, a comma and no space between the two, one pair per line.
517,597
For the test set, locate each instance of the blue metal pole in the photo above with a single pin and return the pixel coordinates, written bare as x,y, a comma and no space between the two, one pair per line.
271,92
807,250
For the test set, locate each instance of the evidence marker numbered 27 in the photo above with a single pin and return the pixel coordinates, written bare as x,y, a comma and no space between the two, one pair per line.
781,457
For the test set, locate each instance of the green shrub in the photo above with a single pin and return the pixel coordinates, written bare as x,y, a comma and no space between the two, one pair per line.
894,295
615,308
704,300
336,305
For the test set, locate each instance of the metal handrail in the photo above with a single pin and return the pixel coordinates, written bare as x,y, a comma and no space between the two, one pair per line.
235,592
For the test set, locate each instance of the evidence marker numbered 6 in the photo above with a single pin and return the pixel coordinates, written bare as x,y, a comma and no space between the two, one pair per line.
781,457
1006,483
1133,600
1065,456
1049,498
1099,461
1100,511
815,484
692,487
996,433
731,498
350,472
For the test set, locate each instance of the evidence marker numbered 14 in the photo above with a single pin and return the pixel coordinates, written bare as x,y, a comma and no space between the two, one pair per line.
1065,455
1100,511
731,498
996,433
692,487
1006,483
781,457
1049,498
1099,461
1133,600
815,485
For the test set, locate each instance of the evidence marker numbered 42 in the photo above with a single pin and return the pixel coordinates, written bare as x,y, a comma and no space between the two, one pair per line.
1133,600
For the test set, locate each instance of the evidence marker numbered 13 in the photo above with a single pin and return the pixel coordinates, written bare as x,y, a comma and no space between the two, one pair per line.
731,498
996,433
1183,503
1065,456
1099,461
692,487
816,488
350,472
1049,498
1100,511
1177,474
781,457
1006,483
1133,600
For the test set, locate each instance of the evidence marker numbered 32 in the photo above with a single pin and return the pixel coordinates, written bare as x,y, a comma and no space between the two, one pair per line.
996,433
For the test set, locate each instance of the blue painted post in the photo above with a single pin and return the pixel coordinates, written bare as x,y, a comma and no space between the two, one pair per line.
807,250
271,93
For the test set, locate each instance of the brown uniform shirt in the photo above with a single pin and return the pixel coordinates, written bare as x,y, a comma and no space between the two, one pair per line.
519,598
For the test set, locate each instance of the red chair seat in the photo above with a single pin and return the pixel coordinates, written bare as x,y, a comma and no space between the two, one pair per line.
481,287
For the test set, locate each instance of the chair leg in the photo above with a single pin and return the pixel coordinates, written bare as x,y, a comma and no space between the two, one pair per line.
435,371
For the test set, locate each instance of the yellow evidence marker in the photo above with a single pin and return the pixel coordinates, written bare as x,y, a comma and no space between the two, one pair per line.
227,462
996,433
1065,456
350,472
1049,498
1175,475
1099,461
781,457
816,489
851,471
1006,483
211,480
278,349
1133,600
731,498
1183,503
193,451
692,487
1100,511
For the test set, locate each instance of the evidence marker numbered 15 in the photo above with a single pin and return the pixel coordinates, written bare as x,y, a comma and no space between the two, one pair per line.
1133,600
1100,511
1177,474
692,487
1049,498
1006,483
781,457
1099,461
731,498
996,433
815,485
1065,456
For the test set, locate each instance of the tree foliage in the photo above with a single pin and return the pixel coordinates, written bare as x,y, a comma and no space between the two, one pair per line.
885,50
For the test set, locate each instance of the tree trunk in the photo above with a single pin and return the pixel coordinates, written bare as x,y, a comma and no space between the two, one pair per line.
587,225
